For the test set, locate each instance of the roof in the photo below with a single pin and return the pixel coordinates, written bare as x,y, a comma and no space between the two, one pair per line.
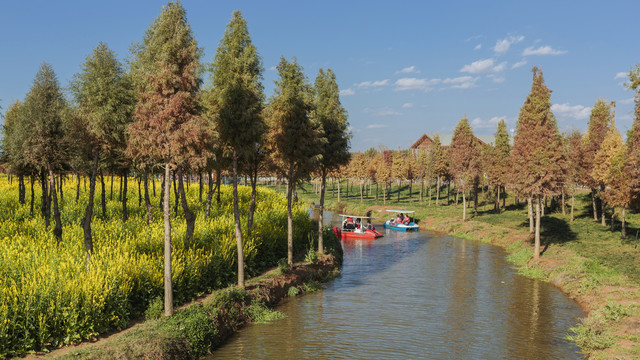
424,141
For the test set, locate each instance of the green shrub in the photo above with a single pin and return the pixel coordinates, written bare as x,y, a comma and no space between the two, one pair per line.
259,313
155,309
293,291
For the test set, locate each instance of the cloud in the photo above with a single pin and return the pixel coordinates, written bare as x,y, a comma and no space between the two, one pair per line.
519,64
376,126
368,84
478,67
478,47
626,101
497,79
347,92
462,82
407,105
415,84
409,70
577,112
492,123
382,112
272,68
500,67
542,50
502,46
620,75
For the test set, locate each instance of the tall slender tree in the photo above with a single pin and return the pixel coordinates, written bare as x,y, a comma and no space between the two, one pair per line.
464,157
293,136
166,123
440,164
104,96
334,149
537,157
237,74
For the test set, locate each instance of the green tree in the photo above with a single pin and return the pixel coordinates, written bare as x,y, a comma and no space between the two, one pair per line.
574,161
105,101
293,135
632,157
464,157
14,137
601,172
334,147
237,72
46,147
166,125
499,161
537,158
440,164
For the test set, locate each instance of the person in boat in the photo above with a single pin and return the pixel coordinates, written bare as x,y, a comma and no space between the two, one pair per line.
406,220
399,219
358,223
370,225
348,223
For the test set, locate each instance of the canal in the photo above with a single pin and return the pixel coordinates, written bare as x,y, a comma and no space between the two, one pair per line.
418,295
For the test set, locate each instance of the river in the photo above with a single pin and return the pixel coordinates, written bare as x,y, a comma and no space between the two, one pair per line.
418,295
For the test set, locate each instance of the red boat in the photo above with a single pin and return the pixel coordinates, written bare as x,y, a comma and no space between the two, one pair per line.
353,228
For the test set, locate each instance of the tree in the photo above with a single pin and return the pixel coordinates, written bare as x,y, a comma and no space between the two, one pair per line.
601,171
464,156
599,123
632,157
499,161
166,125
334,147
104,97
574,160
46,148
293,136
440,164
237,72
14,138
537,158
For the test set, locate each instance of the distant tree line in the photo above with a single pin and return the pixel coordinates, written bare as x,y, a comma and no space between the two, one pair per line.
153,116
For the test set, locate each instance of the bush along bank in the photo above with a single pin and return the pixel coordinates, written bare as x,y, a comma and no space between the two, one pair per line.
199,328
612,328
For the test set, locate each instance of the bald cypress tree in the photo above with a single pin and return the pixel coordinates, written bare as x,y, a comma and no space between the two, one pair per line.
599,122
601,171
293,137
537,158
631,165
166,126
237,72
334,147
440,164
464,156
574,169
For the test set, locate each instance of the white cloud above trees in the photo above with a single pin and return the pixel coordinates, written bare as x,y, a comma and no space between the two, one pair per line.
542,50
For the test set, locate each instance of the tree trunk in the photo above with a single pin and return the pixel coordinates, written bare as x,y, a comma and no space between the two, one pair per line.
448,190
254,193
624,226
593,202
530,209
57,230
430,180
44,207
88,212
290,216
218,184
33,180
161,206
613,214
21,189
60,187
175,194
497,205
323,174
168,285
111,191
125,211
604,222
475,199
536,248
504,197
78,189
410,188
104,197
464,205
236,217
139,191
189,216
573,202
120,192
200,187
438,190
564,212
338,190
153,184
147,200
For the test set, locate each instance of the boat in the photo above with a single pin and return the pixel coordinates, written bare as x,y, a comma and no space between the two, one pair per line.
353,227
402,226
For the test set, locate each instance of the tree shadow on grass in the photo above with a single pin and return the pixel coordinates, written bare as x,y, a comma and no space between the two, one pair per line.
555,231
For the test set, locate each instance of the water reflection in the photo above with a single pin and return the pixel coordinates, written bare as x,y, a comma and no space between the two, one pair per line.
418,295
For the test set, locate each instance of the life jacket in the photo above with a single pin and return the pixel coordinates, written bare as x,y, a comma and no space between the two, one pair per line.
349,220
406,221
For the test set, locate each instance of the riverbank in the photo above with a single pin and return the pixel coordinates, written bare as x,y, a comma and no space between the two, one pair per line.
199,327
587,261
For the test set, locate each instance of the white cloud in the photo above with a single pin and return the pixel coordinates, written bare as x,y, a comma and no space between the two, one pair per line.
409,70
368,84
626,101
407,105
478,47
385,111
478,67
462,82
415,84
577,112
519,64
347,92
500,67
376,126
497,79
542,50
502,46
492,123
620,75
272,68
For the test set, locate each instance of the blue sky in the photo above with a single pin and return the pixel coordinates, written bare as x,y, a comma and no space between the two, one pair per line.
404,67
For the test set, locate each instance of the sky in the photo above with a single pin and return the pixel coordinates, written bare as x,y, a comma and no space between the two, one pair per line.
404,68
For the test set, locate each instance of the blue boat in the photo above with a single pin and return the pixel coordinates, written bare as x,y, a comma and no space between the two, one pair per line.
401,222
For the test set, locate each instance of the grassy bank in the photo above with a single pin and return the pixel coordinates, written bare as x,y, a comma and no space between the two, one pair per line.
588,261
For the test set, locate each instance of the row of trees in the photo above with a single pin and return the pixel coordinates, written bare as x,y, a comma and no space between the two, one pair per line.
154,114
540,163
